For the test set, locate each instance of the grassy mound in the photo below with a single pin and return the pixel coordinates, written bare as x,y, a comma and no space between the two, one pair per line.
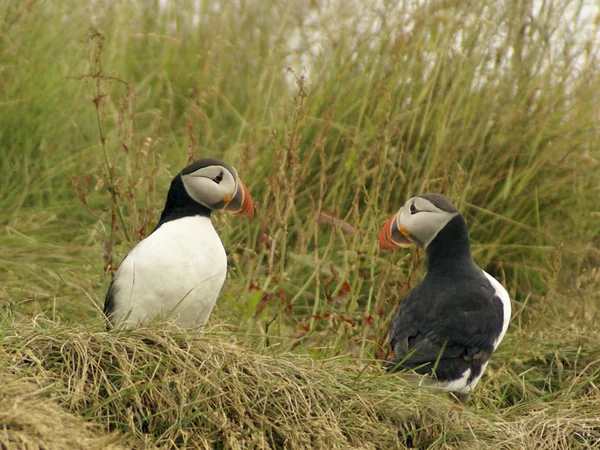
207,391
29,419
162,388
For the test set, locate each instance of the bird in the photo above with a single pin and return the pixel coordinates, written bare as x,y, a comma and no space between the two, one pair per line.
447,327
176,273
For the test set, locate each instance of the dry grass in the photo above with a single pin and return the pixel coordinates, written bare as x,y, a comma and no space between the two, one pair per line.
207,390
30,419
160,388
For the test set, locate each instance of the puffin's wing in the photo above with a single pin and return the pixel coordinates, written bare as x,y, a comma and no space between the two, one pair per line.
468,323
413,336
109,303
423,349
424,332
405,323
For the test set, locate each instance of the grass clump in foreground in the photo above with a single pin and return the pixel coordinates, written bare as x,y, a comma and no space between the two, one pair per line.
439,96
155,388
31,420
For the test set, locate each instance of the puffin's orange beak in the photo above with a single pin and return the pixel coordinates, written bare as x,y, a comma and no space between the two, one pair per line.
392,236
242,204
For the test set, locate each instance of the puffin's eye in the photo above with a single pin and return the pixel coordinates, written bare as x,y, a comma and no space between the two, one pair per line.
218,178
413,209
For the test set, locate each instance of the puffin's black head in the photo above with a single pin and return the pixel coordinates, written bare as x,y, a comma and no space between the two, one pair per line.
207,185
420,220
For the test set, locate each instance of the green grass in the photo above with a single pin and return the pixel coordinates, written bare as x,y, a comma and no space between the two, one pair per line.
332,124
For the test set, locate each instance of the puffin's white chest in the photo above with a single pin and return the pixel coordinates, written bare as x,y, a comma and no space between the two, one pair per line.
506,308
176,273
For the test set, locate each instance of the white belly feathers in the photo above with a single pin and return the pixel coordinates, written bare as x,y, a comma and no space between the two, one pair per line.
175,274
506,308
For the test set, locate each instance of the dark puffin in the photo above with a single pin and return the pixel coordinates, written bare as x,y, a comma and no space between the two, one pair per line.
176,273
450,323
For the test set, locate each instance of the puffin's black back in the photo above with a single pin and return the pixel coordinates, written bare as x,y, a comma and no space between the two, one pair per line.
451,319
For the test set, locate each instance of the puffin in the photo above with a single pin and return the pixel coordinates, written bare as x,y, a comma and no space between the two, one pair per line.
447,327
176,273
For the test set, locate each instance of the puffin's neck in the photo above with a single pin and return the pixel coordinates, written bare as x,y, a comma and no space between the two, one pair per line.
179,204
451,248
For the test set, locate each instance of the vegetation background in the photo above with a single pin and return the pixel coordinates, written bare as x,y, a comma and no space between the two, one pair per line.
334,113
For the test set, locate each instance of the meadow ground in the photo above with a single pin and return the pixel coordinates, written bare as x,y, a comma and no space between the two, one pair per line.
333,113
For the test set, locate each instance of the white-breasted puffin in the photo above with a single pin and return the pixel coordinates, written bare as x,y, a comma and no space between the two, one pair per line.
449,324
177,272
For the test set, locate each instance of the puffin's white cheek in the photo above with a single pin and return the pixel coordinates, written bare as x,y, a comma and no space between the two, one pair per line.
202,190
406,218
227,186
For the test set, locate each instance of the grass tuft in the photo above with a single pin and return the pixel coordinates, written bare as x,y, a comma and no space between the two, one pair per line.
30,418
209,391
